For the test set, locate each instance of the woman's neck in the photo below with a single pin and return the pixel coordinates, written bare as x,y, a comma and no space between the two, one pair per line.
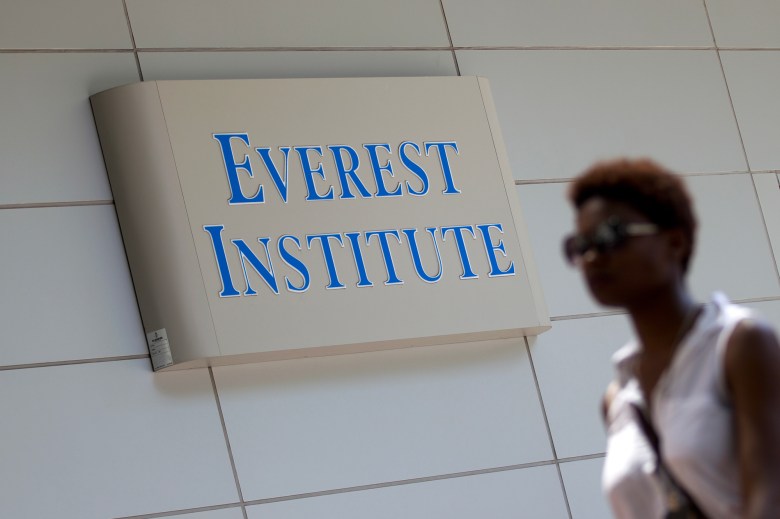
659,318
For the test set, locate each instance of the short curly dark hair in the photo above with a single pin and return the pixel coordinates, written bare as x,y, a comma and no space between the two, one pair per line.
644,185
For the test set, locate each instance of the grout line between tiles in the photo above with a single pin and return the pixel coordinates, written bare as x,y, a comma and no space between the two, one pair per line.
181,512
453,48
132,40
40,205
227,441
64,51
728,90
585,457
73,362
607,313
361,488
766,227
750,49
400,483
449,38
556,461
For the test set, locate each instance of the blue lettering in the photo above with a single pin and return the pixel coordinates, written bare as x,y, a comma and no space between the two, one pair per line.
418,267
279,182
441,147
308,171
491,248
333,275
457,231
294,263
363,280
381,189
392,278
414,168
232,169
215,232
267,273
348,173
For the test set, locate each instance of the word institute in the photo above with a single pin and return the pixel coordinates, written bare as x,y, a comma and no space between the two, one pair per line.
342,177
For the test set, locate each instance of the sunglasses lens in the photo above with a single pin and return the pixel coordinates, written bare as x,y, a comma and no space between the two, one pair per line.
608,236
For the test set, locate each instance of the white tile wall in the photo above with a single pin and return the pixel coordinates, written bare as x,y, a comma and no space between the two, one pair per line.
49,146
573,365
339,422
549,218
531,492
52,24
576,23
288,64
745,24
768,189
753,78
583,489
561,110
304,23
731,224
109,439
66,274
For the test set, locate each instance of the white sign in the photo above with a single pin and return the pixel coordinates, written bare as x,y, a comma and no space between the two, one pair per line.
269,219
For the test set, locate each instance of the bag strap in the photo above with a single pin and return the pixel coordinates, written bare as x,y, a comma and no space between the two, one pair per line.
655,443
648,430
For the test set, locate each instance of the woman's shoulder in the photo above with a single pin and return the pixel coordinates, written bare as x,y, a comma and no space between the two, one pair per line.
748,341
752,349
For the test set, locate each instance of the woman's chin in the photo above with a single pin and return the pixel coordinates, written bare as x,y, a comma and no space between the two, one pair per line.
606,296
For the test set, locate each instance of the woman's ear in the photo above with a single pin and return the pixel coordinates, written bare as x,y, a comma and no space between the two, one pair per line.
679,245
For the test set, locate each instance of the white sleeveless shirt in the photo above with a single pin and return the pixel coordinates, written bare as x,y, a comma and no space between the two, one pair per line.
692,414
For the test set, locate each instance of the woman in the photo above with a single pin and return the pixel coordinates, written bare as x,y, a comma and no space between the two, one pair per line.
704,377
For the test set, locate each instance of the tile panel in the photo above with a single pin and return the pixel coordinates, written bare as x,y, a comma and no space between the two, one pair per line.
338,422
575,23
67,286
753,78
49,144
730,224
747,23
574,365
54,24
583,488
562,110
768,189
110,440
304,23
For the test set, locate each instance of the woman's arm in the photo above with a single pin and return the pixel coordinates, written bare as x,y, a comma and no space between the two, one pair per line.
606,401
753,379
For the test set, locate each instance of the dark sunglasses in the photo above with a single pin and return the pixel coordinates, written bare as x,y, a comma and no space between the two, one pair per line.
610,234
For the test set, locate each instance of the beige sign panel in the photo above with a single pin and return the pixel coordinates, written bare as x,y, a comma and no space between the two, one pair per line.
275,219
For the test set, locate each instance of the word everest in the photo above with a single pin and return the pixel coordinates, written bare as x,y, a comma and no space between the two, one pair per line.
345,160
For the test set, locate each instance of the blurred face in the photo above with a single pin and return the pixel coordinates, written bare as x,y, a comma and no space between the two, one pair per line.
623,257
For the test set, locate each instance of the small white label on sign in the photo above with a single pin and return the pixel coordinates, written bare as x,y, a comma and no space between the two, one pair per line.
159,349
